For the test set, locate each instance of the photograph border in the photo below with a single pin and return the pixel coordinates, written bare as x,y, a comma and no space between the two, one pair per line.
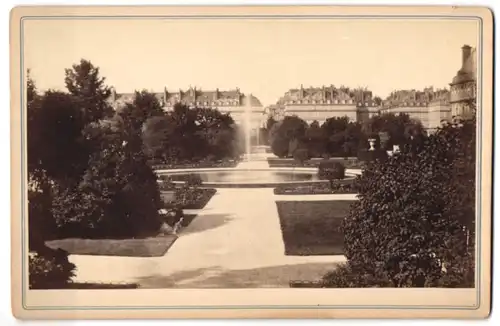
480,214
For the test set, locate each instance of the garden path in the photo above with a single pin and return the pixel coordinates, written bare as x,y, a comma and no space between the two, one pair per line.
235,241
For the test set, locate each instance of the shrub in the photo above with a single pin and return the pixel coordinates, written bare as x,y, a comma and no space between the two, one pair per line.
50,269
279,146
193,180
331,171
409,226
166,183
345,276
301,155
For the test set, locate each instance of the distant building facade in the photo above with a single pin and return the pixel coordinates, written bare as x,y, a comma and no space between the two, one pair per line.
233,102
431,107
320,103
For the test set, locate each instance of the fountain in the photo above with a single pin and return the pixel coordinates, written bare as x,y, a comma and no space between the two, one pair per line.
254,170
247,126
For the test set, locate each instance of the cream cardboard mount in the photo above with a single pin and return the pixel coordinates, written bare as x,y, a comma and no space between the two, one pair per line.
130,121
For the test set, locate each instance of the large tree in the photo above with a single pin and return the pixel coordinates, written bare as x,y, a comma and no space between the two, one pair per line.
399,128
118,194
84,82
291,128
191,134
316,139
344,137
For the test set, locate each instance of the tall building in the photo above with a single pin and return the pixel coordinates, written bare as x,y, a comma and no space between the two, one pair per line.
429,106
433,107
463,86
320,103
233,102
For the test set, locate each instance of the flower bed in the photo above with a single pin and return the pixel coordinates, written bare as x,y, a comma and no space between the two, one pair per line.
196,165
316,189
349,163
190,198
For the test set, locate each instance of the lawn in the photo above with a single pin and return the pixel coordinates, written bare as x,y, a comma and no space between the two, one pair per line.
311,228
147,247
141,247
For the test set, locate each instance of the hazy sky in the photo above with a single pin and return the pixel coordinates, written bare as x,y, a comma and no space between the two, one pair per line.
262,57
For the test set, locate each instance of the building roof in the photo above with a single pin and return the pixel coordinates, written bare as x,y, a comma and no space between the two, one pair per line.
197,96
327,95
412,97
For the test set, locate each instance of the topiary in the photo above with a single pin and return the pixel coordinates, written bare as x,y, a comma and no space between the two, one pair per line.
331,171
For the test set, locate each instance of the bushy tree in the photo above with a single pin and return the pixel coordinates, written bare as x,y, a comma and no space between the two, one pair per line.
55,145
84,82
47,268
291,128
315,139
118,195
192,134
399,128
409,227
144,107
343,136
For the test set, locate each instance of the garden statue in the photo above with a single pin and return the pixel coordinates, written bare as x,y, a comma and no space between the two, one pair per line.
372,141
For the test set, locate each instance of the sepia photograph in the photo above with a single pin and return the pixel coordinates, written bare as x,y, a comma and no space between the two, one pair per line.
310,154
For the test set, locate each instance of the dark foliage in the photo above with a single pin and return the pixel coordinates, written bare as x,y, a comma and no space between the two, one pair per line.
84,82
191,134
412,226
331,171
290,129
50,269
301,155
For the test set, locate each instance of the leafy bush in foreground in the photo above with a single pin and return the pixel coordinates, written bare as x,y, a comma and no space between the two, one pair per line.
50,269
413,224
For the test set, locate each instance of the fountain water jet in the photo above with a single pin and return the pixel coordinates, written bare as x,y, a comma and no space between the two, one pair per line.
247,126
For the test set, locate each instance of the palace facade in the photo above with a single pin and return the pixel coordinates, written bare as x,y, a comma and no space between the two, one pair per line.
431,106
228,101
320,103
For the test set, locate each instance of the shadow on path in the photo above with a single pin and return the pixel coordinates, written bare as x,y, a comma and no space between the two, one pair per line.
216,277
204,222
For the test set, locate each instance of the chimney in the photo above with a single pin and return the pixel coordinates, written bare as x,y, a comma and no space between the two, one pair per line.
216,94
466,51
113,94
165,94
301,94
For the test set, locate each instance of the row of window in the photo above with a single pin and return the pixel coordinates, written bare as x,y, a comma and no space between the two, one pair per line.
206,103
320,102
